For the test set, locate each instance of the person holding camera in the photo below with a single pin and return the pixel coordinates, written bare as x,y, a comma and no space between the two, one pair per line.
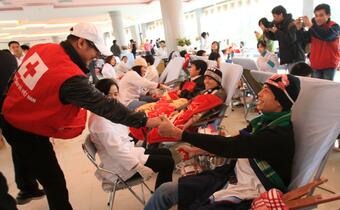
264,24
323,34
289,38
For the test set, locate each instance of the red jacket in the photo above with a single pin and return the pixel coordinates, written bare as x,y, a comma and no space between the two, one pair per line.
324,54
33,104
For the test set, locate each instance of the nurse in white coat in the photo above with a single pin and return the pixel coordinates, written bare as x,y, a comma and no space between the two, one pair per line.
116,148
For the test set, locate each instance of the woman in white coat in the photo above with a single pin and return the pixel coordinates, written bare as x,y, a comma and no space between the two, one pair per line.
108,70
133,83
116,148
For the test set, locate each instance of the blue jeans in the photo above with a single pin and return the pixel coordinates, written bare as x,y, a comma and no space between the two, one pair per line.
164,197
324,74
135,104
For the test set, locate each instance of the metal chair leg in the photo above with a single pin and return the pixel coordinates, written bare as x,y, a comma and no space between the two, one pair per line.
113,194
147,187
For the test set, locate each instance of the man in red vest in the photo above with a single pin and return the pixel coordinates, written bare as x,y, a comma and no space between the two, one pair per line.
48,97
323,34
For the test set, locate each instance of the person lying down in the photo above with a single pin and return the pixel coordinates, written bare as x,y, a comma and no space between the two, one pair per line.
183,116
263,153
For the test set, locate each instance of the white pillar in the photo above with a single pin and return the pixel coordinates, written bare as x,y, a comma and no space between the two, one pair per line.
308,8
117,26
199,12
173,18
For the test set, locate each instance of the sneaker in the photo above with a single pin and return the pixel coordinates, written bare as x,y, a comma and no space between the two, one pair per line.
25,197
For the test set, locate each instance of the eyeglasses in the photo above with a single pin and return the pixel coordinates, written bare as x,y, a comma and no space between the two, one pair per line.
93,46
280,84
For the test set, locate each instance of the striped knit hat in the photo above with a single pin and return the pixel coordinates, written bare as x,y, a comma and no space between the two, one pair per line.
215,74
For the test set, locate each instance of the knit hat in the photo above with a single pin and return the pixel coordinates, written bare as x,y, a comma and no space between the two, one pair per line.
140,62
286,88
214,73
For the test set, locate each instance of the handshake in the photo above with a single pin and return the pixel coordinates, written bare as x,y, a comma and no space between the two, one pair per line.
165,127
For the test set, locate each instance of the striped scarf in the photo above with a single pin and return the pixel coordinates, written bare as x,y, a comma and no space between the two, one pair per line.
273,119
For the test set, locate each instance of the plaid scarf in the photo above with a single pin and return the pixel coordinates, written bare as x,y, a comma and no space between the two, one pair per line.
268,120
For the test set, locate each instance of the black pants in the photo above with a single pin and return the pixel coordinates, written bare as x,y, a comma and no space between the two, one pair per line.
34,159
6,201
161,161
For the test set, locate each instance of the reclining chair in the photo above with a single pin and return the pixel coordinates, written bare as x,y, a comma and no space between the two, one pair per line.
316,122
111,187
172,70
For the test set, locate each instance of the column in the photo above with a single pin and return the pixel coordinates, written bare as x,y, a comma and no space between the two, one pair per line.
172,14
308,8
117,26
199,12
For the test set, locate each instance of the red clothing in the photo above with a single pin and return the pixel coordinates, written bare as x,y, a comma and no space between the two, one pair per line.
324,54
33,102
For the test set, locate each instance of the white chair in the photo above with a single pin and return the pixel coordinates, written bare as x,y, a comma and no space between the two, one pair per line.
261,76
316,122
231,74
111,187
246,63
172,70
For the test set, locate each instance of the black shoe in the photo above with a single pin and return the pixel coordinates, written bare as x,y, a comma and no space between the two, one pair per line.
25,197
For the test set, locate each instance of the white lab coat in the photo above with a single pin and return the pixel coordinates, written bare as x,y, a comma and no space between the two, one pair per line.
131,87
115,149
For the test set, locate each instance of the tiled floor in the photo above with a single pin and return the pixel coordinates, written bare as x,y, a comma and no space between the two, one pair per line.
86,193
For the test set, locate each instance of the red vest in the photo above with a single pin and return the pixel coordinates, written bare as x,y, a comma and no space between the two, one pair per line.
32,103
324,54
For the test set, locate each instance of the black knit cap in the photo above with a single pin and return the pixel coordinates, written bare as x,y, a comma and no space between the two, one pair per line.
292,89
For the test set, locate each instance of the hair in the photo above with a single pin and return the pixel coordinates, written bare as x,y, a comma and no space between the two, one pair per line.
131,40
162,42
109,58
279,10
138,69
13,42
124,47
114,41
200,52
25,47
301,69
265,22
203,34
104,85
214,56
218,46
325,7
72,38
183,53
149,59
200,65
262,43
7,51
123,57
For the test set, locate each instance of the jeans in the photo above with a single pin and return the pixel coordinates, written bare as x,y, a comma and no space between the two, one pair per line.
324,74
35,154
135,104
164,197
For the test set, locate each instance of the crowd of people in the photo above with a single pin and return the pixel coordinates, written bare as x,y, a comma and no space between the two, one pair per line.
125,81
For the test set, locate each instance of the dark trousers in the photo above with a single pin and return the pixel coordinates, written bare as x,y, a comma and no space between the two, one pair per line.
34,159
161,161
6,201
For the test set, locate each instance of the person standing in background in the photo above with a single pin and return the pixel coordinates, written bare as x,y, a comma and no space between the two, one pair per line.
115,49
286,33
16,50
323,34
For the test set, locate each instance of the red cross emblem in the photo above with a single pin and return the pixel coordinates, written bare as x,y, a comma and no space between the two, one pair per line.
31,69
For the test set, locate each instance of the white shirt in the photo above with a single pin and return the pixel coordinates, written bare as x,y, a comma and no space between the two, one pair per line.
162,53
19,60
115,149
248,184
268,62
131,86
152,74
108,71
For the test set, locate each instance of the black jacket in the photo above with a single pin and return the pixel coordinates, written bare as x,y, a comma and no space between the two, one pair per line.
79,92
274,145
290,41
198,88
7,68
